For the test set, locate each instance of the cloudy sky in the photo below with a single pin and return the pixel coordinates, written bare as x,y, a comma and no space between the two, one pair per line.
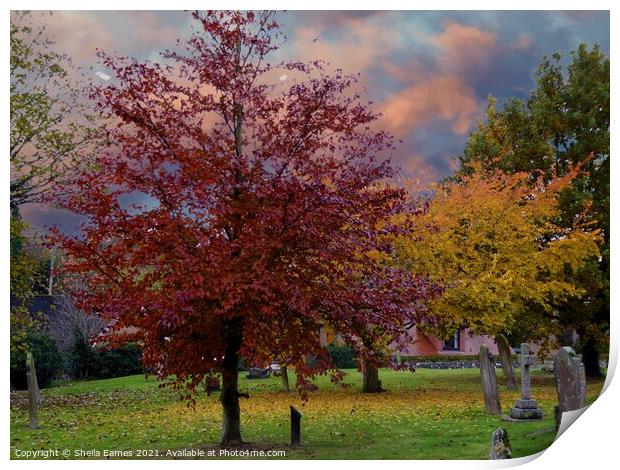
429,73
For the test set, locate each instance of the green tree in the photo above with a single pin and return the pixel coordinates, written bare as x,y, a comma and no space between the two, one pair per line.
51,122
565,121
48,360
29,268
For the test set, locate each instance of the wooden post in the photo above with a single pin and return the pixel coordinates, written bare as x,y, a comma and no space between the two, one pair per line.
506,359
33,395
489,382
295,427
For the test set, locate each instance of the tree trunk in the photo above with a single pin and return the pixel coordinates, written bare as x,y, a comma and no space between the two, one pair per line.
231,422
506,359
284,377
371,383
590,358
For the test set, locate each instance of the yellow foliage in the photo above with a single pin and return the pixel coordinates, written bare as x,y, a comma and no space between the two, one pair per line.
493,240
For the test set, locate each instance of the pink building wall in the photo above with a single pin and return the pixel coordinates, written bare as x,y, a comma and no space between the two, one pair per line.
417,343
421,344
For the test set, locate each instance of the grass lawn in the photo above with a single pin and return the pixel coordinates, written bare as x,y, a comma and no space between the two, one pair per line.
432,414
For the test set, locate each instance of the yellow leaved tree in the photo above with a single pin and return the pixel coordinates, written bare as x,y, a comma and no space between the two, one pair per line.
493,240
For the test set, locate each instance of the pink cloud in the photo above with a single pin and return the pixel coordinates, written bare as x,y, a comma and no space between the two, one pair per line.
456,36
362,45
149,30
464,47
412,71
417,170
440,97
442,94
79,34
524,41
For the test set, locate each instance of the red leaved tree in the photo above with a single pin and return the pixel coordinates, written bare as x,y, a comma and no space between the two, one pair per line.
261,212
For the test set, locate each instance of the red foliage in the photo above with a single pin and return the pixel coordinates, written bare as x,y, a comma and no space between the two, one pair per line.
261,206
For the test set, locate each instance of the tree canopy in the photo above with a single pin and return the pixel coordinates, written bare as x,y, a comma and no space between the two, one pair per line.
259,202
51,122
493,239
564,122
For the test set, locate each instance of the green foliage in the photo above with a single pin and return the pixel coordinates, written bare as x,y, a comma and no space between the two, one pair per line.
48,361
86,362
23,264
120,362
565,121
29,269
51,123
342,355
83,359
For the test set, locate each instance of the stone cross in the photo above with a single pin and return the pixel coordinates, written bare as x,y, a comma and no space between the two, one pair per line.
526,362
526,407
33,391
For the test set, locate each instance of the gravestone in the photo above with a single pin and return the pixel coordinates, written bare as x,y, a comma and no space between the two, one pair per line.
33,391
489,382
557,414
500,445
36,386
212,384
258,373
506,359
547,365
570,382
526,407
295,427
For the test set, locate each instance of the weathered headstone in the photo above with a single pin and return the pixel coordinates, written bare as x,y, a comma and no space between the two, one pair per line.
258,373
526,407
506,359
500,445
33,391
295,427
557,414
489,382
36,387
212,384
570,382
